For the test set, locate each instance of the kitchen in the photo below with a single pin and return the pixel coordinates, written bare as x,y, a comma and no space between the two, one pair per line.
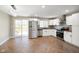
49,28
61,27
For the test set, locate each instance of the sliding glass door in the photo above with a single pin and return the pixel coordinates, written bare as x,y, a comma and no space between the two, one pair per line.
21,28
18,28
24,28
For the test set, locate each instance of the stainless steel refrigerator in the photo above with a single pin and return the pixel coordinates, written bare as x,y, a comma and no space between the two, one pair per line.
33,27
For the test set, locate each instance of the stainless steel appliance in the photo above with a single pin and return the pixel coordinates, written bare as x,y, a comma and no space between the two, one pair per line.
60,34
33,29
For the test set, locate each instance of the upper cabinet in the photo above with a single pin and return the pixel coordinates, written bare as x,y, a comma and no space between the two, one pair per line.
43,23
54,22
61,20
73,19
69,20
51,22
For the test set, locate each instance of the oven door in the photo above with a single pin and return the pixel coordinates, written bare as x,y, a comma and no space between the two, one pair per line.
59,34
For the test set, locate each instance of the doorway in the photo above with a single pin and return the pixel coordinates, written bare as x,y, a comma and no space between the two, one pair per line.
21,28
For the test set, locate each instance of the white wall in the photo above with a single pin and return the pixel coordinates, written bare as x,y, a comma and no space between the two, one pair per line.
4,27
12,27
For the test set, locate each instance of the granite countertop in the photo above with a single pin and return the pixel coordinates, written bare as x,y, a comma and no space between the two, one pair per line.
45,28
54,28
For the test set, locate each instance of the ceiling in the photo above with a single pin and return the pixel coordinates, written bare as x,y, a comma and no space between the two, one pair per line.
39,10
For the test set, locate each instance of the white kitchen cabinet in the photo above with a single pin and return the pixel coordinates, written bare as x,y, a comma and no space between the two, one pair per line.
53,32
45,32
68,36
56,22
75,37
73,19
75,30
69,20
49,32
43,23
51,22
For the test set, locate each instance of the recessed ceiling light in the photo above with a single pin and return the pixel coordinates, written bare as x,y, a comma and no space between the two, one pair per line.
66,10
43,6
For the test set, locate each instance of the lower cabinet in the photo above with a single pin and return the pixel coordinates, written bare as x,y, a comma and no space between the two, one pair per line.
53,33
45,32
49,32
68,36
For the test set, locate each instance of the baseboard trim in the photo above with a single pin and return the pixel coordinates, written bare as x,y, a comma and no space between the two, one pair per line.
4,41
71,44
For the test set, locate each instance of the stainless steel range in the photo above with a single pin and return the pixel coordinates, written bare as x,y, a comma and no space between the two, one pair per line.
60,34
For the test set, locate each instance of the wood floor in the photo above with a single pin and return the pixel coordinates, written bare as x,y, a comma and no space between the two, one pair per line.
38,45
